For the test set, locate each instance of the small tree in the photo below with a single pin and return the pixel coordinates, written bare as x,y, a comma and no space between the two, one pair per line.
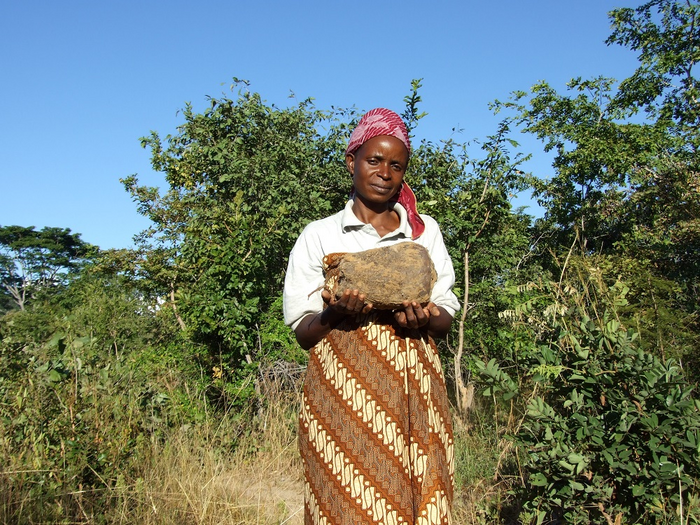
244,178
626,165
34,262
470,198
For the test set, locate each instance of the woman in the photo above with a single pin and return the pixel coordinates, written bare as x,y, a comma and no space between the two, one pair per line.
375,430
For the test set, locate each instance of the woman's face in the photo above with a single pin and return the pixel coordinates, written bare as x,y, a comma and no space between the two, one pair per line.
377,168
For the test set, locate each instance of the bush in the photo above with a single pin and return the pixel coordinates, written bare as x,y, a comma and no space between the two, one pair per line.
77,400
608,430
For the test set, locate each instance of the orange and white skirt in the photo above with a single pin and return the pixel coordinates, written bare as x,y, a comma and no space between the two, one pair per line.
375,431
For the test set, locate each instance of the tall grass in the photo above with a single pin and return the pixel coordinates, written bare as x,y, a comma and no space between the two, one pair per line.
226,468
92,435
191,479
190,475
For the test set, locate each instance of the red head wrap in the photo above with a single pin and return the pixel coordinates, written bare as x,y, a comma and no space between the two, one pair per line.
381,121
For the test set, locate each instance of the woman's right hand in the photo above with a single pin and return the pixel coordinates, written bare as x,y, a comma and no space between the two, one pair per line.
352,302
315,327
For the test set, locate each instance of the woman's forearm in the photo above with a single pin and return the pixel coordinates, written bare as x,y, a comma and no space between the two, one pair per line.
439,325
315,327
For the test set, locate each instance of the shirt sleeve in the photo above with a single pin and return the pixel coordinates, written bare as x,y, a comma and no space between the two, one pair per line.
442,290
304,279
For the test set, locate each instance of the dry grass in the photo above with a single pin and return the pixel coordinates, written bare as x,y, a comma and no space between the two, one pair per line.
196,476
186,481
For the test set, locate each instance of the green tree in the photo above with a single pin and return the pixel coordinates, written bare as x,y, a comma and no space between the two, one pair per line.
607,155
487,239
596,152
608,426
666,36
34,262
664,205
244,178
626,180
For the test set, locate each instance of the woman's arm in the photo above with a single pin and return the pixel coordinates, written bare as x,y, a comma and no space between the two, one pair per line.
315,327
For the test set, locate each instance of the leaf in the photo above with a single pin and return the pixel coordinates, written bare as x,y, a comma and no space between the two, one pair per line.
537,479
576,485
54,376
638,490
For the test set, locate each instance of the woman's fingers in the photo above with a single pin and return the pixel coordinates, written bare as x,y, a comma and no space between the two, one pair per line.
413,315
410,312
351,302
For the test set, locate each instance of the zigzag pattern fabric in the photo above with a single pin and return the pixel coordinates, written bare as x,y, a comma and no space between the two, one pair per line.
375,431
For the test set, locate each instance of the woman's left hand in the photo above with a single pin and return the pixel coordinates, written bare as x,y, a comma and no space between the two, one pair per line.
414,315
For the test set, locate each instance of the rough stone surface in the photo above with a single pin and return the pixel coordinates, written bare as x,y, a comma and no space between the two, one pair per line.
387,276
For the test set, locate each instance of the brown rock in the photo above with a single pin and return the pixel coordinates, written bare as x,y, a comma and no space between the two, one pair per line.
387,276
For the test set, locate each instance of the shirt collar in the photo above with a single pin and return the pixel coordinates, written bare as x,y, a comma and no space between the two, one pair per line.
350,222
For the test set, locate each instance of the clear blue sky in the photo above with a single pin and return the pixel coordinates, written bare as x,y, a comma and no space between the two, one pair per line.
83,80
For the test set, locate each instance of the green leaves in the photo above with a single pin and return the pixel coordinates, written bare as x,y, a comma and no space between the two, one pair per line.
244,179
606,425
667,44
34,262
498,381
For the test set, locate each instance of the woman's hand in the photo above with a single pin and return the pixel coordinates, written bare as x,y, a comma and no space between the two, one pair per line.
350,303
434,317
315,327
414,315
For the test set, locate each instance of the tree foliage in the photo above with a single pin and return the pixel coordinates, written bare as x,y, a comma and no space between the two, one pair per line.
470,196
666,36
607,429
32,262
244,178
607,426
626,184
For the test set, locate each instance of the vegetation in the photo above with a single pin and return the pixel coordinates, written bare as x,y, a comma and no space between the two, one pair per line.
34,263
159,385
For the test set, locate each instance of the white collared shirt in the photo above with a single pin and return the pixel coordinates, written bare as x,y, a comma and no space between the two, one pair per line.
344,232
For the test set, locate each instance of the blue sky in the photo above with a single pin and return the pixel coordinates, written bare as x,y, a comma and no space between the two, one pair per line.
82,81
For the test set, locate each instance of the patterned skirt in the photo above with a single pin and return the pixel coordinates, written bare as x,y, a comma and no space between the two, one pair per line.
375,431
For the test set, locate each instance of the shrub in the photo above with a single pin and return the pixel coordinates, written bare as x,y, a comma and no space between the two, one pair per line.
608,430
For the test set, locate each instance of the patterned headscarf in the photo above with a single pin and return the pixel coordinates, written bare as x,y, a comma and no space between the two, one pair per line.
381,121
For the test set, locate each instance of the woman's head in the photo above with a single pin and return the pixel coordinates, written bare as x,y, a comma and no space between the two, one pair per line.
373,125
377,168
